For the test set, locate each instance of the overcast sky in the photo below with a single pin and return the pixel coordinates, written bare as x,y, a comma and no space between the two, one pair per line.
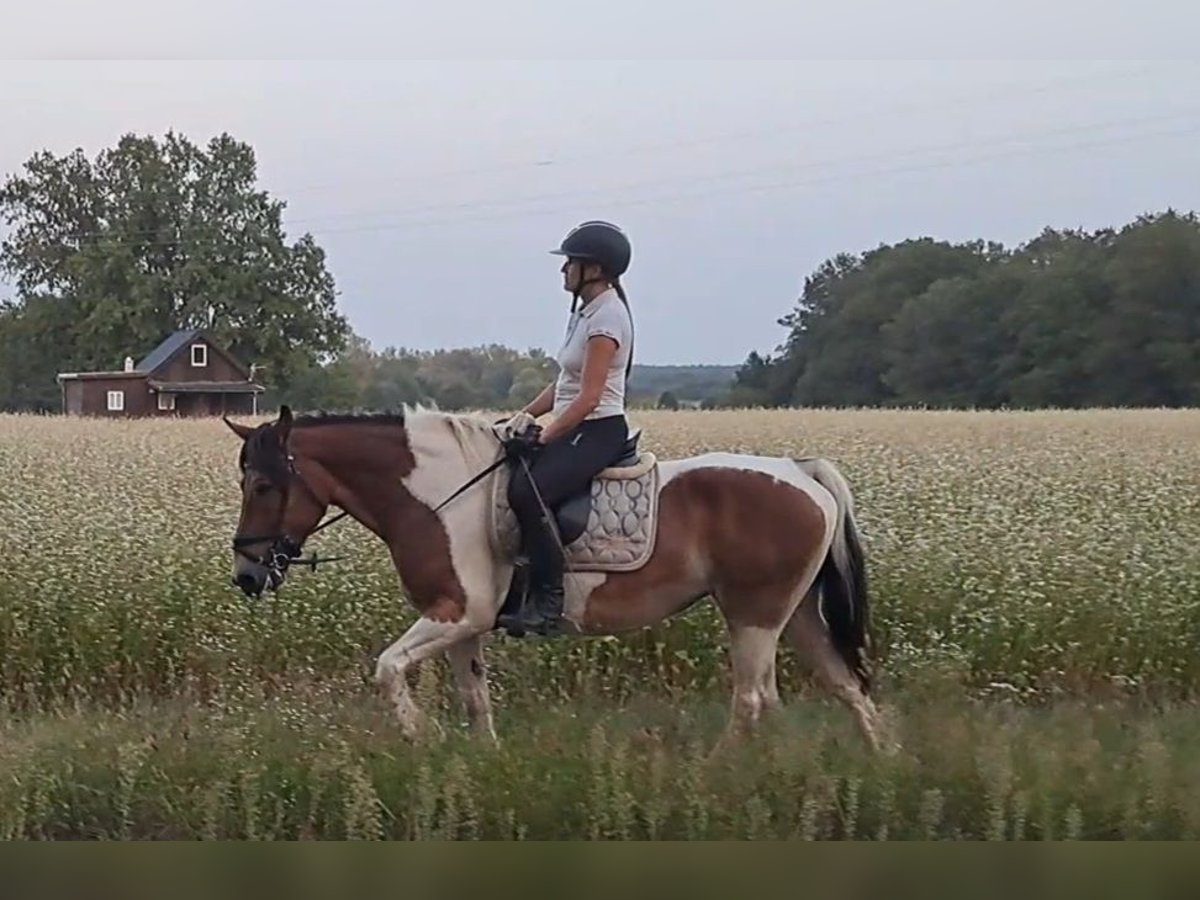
437,187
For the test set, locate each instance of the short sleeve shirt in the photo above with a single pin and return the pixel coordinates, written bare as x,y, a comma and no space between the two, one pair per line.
605,315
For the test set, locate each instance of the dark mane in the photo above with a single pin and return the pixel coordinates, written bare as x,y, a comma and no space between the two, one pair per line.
263,452
321,417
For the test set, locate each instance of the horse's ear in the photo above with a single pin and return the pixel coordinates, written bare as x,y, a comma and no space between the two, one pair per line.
242,431
284,425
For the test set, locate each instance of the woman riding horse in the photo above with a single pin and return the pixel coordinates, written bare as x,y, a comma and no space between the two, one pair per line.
589,428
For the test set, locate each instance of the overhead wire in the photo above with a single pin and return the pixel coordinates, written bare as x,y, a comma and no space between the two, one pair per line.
1192,129
535,205
1191,116
609,151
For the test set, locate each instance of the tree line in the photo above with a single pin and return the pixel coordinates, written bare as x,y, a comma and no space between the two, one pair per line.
488,377
114,253
1070,318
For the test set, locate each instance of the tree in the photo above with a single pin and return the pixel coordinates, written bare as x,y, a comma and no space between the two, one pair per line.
526,385
1058,300
839,353
1146,351
1070,318
112,254
943,347
668,400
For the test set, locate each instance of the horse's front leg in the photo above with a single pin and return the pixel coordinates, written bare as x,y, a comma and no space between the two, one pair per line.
424,640
466,661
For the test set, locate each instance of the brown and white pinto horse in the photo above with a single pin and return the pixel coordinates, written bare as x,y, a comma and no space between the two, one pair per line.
772,540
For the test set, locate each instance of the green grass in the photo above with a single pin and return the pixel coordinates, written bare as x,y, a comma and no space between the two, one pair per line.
318,763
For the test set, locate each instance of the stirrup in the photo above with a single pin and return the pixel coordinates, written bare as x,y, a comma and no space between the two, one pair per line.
528,621
539,613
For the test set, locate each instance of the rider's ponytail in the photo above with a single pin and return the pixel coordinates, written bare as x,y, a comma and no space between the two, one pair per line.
620,289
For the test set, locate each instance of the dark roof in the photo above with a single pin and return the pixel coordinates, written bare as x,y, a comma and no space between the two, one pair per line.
206,387
167,349
98,376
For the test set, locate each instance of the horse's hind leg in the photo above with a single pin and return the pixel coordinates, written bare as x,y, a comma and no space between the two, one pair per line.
807,633
752,652
770,687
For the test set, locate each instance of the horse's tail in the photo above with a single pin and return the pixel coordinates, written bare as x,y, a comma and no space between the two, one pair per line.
841,582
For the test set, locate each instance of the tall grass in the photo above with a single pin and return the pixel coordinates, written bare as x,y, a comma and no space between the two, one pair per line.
1034,584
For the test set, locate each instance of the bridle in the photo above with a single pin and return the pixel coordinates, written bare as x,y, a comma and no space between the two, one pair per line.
284,550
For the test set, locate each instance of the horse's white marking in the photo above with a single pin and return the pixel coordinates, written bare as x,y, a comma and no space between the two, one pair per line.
466,662
577,588
448,452
425,638
450,449
752,651
780,469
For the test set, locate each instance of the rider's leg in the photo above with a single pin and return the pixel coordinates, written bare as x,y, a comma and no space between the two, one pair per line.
558,471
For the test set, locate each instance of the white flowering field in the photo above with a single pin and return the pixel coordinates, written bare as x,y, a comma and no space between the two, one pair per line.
1035,582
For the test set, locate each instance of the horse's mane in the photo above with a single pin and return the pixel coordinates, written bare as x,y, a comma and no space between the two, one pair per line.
403,415
262,449
465,427
320,417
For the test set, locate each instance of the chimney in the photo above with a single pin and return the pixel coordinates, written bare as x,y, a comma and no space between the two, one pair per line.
129,364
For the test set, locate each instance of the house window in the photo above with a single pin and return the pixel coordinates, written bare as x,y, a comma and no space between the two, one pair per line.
199,355
116,401
166,401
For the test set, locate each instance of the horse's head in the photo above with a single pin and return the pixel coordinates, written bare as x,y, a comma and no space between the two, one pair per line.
280,508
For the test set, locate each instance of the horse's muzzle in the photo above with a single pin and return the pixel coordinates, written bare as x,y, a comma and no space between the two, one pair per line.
251,586
253,577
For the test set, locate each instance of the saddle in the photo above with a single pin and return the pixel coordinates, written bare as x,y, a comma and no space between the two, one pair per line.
607,526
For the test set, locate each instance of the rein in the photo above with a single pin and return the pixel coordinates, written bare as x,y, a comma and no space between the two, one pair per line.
479,477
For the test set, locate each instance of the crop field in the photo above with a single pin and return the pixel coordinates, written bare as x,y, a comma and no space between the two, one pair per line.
1035,580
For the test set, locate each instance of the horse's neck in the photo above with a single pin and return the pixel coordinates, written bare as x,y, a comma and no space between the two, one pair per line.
367,464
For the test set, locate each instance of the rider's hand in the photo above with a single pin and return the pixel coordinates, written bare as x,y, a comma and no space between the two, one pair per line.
526,443
507,429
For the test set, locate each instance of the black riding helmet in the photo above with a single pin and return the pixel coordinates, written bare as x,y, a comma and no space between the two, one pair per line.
604,243
599,242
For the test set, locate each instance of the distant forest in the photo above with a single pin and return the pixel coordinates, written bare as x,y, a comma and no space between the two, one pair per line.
489,377
1068,319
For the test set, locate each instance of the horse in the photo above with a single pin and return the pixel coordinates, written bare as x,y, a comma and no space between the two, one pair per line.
773,541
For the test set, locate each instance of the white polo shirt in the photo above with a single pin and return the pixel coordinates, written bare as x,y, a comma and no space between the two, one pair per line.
604,315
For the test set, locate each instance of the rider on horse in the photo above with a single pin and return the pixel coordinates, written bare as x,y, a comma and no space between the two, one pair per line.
589,428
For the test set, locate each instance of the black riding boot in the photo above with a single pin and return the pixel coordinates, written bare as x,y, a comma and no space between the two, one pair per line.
542,611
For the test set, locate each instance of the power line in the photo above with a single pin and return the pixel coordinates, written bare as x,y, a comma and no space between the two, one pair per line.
609,152
1189,114
529,205
1192,129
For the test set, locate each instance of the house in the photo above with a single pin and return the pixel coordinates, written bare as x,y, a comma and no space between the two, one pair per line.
188,374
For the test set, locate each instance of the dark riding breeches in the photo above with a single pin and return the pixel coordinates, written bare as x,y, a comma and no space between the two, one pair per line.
560,469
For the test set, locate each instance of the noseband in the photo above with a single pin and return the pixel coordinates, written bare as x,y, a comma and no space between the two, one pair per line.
284,550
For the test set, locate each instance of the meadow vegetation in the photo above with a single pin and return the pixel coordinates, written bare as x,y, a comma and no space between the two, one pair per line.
1035,579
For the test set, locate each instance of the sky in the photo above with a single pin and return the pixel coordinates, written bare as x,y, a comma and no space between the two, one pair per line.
437,187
